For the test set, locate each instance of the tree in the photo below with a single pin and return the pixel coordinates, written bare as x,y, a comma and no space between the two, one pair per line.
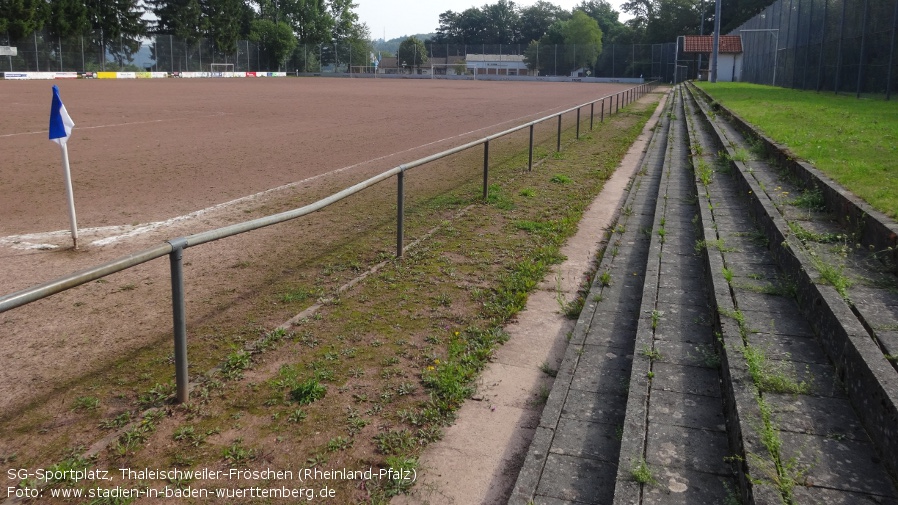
225,23
674,18
117,26
412,53
449,29
584,37
67,18
544,55
181,18
536,20
501,22
613,30
22,17
310,20
472,24
276,41
358,43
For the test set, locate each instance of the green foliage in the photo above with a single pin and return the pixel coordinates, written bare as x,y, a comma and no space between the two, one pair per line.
560,179
86,403
833,275
852,141
237,454
235,363
811,199
805,235
641,473
21,17
450,380
583,37
308,392
276,41
412,53
771,376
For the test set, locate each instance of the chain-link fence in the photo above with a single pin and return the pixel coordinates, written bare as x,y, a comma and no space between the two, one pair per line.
824,45
40,52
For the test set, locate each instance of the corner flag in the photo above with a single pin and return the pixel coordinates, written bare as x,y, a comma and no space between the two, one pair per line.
61,125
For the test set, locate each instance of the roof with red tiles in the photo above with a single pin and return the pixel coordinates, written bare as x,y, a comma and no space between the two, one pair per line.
704,44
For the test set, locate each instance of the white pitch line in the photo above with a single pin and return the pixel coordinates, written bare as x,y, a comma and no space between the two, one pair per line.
33,240
151,121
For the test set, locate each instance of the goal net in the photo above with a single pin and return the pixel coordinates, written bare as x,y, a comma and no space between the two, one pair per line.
221,68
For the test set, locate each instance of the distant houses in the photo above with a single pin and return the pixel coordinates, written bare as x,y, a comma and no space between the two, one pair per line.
470,64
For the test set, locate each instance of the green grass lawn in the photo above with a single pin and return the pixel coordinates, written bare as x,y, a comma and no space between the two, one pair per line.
853,141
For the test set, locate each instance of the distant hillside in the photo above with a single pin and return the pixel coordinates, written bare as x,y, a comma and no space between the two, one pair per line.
392,45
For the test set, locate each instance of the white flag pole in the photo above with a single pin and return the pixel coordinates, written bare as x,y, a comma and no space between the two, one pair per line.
69,194
61,125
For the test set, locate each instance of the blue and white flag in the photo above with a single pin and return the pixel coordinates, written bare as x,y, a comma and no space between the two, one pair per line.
61,123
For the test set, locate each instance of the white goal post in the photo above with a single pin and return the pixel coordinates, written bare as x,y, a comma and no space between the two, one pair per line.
220,68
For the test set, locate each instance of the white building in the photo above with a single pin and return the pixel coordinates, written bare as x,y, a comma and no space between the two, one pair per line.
729,55
497,64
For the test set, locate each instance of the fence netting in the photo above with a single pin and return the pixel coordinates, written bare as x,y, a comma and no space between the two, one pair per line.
41,52
824,45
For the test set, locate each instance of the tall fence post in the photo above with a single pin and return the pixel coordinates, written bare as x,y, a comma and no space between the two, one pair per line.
839,57
530,155
400,211
558,146
860,62
179,318
822,47
486,169
892,52
578,123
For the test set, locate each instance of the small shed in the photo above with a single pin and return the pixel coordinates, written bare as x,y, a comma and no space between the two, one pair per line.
729,55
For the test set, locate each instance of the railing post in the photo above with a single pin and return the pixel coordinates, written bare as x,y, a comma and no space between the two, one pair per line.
578,123
592,110
617,104
179,318
530,156
486,169
602,115
400,212
558,146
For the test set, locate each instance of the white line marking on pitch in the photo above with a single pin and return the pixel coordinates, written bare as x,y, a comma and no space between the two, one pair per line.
37,240
217,114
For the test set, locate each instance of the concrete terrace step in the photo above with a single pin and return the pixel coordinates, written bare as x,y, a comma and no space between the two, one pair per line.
574,454
707,365
833,378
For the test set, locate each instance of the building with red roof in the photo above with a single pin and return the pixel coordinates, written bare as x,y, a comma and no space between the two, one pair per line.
729,55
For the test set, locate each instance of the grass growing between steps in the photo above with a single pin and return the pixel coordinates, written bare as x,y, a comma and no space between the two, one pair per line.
853,141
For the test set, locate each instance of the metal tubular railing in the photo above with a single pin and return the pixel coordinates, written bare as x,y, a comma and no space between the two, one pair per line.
174,248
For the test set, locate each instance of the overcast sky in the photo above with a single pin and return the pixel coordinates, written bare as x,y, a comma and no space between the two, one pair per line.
408,17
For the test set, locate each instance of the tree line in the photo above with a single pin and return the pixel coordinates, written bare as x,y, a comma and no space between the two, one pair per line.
118,26
652,21
280,26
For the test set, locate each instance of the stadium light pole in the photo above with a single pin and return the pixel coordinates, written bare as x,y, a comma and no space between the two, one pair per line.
701,31
715,50
776,43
